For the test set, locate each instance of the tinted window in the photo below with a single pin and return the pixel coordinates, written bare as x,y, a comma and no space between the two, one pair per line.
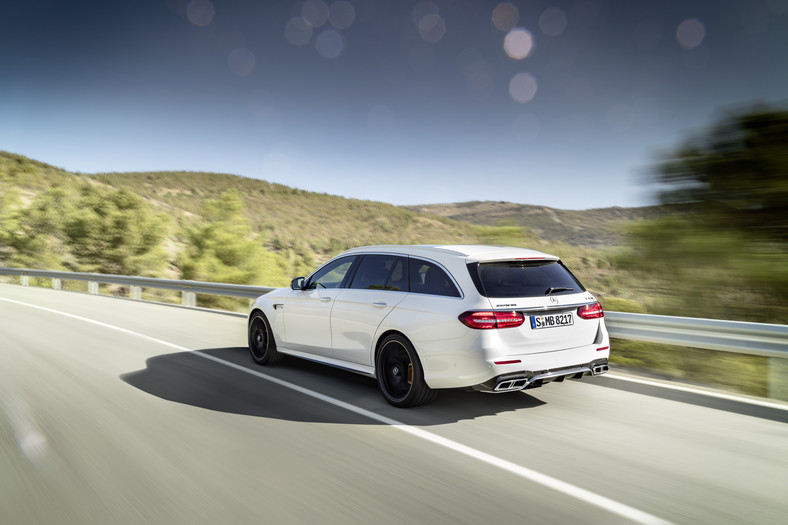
332,274
398,279
429,278
526,279
381,272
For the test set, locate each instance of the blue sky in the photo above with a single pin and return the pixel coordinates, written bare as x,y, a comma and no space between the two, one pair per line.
557,103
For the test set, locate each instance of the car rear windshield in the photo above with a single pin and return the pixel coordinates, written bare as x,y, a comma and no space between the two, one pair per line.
523,279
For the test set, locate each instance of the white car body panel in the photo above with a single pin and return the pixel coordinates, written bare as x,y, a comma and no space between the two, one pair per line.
355,319
307,321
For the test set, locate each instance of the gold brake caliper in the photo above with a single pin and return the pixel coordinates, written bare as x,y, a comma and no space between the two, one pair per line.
410,373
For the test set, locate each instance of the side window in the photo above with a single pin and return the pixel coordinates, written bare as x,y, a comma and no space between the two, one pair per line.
398,278
332,274
381,272
429,278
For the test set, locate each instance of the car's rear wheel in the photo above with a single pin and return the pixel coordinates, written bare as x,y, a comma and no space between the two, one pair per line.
262,345
399,373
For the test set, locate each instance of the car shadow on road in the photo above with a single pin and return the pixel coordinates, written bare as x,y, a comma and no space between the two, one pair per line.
210,379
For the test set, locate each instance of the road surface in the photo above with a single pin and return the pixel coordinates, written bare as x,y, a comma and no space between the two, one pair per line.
116,411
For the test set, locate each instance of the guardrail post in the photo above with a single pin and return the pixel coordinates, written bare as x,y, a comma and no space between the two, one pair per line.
777,382
93,287
57,284
136,293
25,280
189,299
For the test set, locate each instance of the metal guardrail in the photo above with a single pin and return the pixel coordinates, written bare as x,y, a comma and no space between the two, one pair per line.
188,289
761,339
768,340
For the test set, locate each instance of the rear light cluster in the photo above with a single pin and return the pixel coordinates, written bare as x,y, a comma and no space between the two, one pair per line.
487,320
590,311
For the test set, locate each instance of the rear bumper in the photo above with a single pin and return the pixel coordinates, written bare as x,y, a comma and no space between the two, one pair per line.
532,379
482,356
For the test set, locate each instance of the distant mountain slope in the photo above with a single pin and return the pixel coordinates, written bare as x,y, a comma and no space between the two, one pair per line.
595,228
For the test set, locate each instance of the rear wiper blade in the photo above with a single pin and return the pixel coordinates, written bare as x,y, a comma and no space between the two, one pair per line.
558,289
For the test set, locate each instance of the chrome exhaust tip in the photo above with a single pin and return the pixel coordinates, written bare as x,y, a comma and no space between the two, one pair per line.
511,385
601,369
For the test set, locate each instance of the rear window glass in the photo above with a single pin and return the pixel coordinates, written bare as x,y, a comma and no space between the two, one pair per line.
525,279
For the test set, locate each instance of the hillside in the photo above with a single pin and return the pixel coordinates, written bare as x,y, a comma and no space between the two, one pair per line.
308,223
297,224
321,224
595,228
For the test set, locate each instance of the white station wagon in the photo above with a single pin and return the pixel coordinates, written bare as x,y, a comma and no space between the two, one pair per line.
423,318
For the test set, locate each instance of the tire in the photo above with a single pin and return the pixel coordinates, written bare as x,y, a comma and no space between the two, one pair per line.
262,345
399,373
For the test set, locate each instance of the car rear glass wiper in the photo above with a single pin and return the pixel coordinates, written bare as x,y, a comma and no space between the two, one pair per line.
557,289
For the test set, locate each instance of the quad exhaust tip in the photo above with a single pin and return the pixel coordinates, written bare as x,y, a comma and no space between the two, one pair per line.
511,385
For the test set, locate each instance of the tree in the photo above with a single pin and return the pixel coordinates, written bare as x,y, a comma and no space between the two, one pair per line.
735,175
222,248
9,223
115,232
723,252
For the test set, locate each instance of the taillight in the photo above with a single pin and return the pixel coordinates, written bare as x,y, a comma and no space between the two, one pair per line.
590,311
491,319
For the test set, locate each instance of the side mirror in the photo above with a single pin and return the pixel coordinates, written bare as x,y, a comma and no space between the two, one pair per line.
297,283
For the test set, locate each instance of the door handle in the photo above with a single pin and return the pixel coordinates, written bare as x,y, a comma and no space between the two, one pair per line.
325,299
379,304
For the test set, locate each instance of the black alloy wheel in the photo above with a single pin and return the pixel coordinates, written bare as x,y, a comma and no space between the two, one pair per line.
399,373
261,341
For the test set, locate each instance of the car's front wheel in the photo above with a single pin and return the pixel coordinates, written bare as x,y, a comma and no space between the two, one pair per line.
262,345
399,373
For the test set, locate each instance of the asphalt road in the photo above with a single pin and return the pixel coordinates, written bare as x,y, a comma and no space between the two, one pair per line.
115,411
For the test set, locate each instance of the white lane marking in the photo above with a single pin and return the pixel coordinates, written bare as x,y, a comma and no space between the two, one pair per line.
563,487
720,395
97,323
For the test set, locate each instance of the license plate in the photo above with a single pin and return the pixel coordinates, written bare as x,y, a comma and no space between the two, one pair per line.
552,320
